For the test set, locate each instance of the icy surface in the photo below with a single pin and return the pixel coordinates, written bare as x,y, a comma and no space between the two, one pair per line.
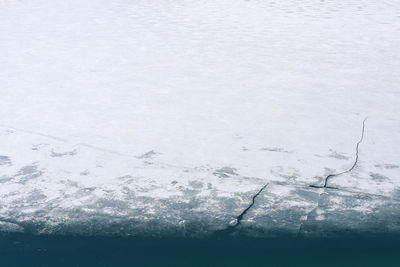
166,117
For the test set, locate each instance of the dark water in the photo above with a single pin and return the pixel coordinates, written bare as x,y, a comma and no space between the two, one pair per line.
27,250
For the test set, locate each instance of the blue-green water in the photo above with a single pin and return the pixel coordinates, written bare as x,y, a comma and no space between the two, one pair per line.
27,250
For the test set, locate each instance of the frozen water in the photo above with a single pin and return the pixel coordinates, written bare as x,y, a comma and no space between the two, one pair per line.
114,110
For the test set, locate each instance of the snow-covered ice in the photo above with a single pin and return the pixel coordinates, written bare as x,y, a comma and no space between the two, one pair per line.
166,117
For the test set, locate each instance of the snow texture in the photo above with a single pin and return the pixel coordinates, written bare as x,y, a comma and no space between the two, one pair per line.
167,117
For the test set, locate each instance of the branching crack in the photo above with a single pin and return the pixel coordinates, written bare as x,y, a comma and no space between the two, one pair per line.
351,168
239,218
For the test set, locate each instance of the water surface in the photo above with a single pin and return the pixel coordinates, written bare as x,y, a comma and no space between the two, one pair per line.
26,250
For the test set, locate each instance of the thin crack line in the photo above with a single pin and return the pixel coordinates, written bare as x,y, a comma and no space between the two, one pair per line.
239,218
97,148
351,168
304,186
334,175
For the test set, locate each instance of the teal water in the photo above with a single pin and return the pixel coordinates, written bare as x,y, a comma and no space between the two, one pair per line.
27,250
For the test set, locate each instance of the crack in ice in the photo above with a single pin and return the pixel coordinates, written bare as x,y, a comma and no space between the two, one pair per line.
334,175
239,218
351,168
101,149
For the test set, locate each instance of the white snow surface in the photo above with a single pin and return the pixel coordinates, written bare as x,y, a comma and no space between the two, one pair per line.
176,113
